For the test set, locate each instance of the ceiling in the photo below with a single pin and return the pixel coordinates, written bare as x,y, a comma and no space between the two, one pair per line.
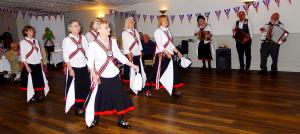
64,5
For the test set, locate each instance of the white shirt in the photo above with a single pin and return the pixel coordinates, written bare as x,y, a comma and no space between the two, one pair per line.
128,39
90,37
68,46
25,48
161,38
241,24
97,57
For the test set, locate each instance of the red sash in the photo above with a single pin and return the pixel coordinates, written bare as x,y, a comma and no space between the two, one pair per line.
170,39
136,41
109,55
94,35
79,47
33,47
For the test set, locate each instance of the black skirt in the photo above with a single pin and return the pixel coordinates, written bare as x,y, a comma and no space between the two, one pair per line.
151,81
111,98
37,77
204,51
126,74
82,84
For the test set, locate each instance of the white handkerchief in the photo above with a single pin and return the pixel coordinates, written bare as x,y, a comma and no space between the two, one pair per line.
46,89
70,100
143,73
90,109
30,89
167,78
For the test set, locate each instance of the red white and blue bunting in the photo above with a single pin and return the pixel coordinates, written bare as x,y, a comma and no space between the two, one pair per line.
13,12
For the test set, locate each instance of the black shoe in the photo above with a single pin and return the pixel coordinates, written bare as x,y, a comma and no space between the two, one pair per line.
209,68
203,68
124,124
80,112
176,94
94,123
241,69
39,98
263,72
148,93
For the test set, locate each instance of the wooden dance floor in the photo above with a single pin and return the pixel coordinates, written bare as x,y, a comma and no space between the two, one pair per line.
212,103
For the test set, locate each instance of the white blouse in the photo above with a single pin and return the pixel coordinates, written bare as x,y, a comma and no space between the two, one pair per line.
68,46
90,37
161,38
25,48
97,57
128,39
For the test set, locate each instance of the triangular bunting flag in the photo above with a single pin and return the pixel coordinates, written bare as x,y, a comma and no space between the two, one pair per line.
267,3
236,10
145,17
218,13
181,18
172,18
30,15
151,18
23,14
277,2
36,16
207,14
227,12
61,16
189,17
198,14
138,16
246,8
43,17
256,6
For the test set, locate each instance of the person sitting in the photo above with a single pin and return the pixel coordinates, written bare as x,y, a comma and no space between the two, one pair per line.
12,56
148,47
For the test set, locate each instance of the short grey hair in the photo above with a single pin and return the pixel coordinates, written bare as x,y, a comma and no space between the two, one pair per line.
126,22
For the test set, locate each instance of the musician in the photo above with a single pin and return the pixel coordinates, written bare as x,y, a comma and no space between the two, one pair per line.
31,59
132,48
269,47
75,48
164,53
243,46
204,46
108,95
92,34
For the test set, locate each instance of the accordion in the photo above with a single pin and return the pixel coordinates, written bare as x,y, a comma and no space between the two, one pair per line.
241,36
278,35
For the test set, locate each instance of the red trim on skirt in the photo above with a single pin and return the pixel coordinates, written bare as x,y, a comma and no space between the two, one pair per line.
77,100
125,81
111,112
162,87
35,89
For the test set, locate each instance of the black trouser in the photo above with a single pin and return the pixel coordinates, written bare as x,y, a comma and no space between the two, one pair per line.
244,49
49,49
269,48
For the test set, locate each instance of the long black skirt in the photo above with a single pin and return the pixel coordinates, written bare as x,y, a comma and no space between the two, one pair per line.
126,74
37,77
204,51
151,81
111,98
82,84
